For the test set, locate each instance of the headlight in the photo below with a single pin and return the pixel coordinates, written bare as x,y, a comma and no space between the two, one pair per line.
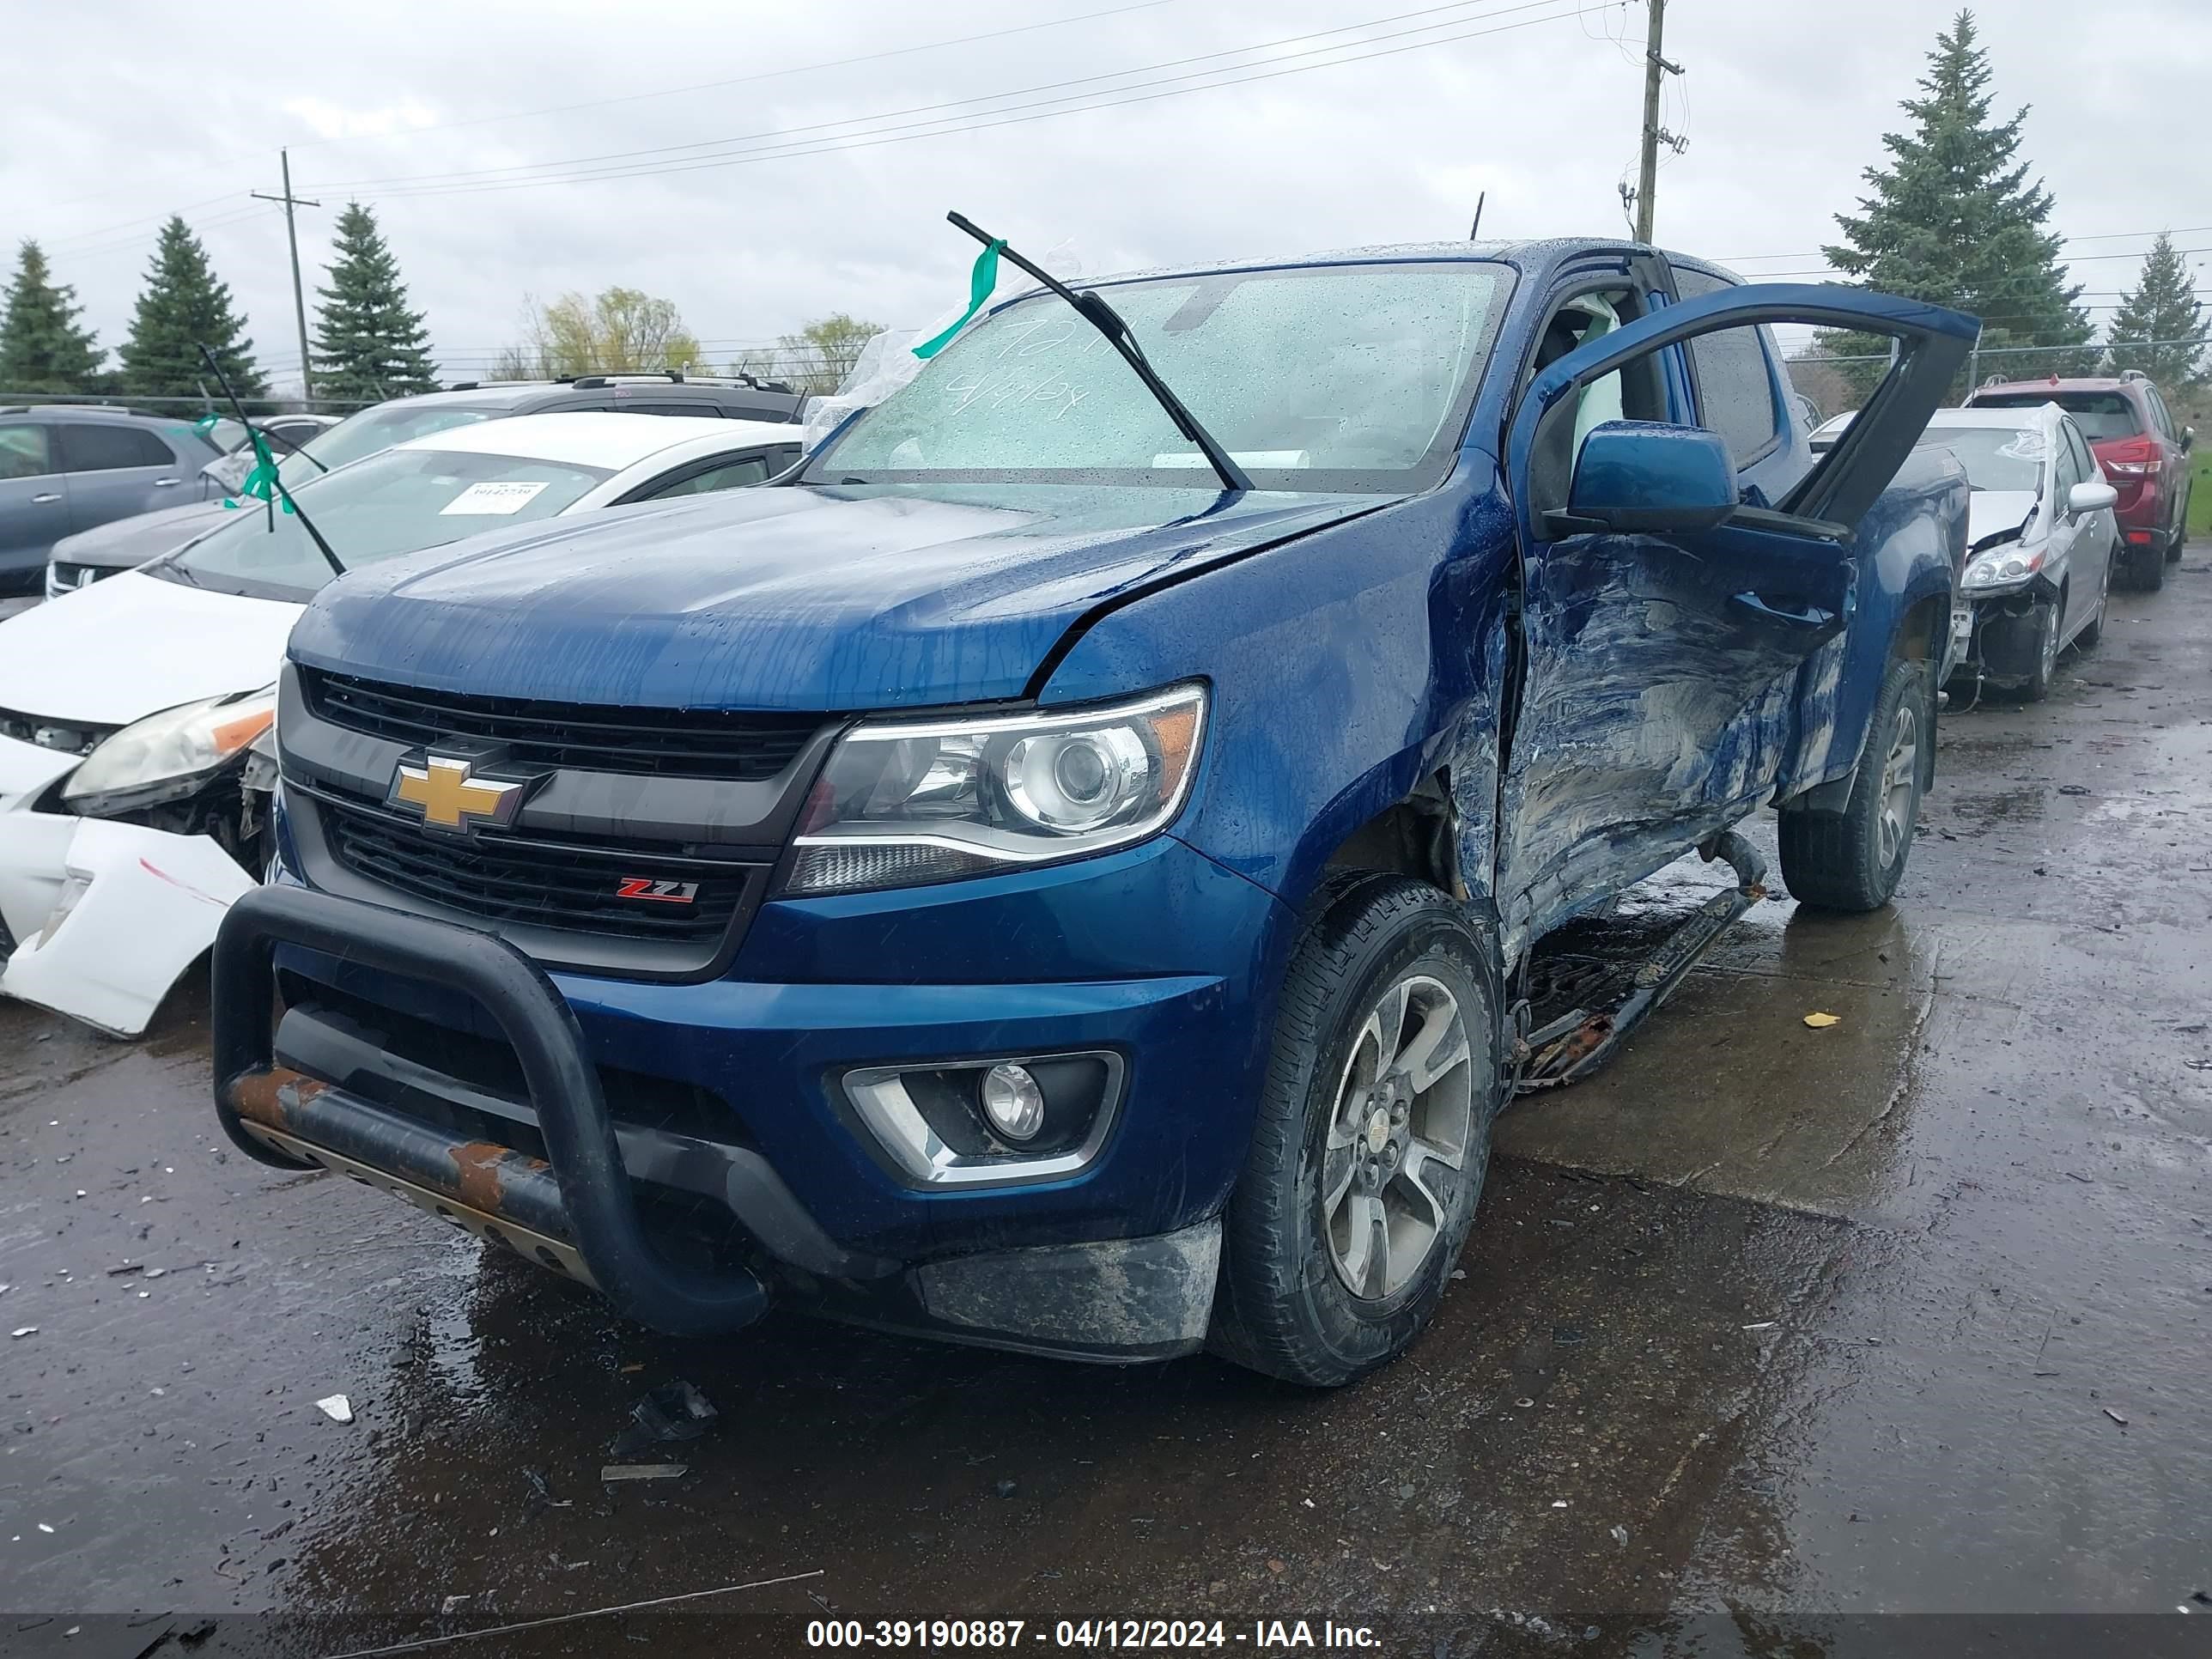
168,754
900,804
2002,566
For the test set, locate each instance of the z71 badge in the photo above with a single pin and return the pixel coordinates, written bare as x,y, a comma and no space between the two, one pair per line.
657,892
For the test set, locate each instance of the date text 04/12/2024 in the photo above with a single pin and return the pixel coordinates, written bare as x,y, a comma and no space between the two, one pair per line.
1164,1634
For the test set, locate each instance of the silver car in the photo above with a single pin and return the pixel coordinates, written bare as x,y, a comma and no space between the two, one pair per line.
65,468
2041,537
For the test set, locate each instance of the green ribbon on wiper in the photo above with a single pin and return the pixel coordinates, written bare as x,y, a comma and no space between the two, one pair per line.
982,277
261,482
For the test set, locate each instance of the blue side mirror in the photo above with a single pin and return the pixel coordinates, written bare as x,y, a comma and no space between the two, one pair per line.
1644,476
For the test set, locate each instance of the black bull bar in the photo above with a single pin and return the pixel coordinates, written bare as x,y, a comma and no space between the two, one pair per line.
584,1199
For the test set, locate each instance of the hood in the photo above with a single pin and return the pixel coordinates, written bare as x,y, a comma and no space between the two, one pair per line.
1995,511
858,597
132,646
128,542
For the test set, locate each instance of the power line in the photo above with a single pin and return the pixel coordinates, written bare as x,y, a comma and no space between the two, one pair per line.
628,163
670,92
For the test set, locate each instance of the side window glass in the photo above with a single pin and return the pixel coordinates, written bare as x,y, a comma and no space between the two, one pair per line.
2165,415
23,452
2069,470
1736,393
731,475
89,448
2085,467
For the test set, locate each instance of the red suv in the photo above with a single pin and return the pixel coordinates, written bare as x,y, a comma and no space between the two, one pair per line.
2141,449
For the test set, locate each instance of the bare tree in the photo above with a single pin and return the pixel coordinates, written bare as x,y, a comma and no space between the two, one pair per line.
815,359
623,330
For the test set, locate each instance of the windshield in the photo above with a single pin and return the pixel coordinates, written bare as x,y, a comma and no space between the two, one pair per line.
2100,414
400,501
370,430
1331,378
1995,457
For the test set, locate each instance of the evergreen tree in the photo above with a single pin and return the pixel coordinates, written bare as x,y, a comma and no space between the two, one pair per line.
2163,308
1955,219
41,347
182,307
367,344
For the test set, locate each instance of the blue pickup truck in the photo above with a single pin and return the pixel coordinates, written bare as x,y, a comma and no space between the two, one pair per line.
1054,870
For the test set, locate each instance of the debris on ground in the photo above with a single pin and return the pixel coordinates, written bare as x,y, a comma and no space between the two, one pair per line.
643,1472
24,1330
337,1408
2116,1417
673,1411
453,1604
2073,789
1620,1535
1820,1021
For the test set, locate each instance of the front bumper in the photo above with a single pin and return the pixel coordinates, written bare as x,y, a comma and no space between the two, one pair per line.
1112,1261
98,920
2004,636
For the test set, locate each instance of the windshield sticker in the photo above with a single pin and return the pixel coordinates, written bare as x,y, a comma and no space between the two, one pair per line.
493,499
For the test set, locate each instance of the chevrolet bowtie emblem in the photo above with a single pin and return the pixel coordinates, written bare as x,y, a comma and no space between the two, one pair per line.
449,798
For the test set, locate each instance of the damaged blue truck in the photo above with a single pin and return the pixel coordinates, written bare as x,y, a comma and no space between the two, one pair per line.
1054,869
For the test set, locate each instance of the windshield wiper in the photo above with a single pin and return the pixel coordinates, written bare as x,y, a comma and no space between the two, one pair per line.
1094,310
260,443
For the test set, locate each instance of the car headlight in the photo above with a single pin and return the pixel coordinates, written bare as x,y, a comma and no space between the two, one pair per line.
2002,566
906,802
167,755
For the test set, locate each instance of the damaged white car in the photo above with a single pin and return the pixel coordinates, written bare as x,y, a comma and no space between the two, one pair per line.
2041,542
136,715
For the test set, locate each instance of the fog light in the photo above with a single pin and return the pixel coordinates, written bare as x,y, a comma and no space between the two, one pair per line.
1013,1103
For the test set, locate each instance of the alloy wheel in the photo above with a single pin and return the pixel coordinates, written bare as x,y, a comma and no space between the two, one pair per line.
1901,781
1404,1115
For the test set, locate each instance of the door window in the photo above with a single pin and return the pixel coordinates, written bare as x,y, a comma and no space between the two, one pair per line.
2070,473
697,411
2084,467
729,475
1736,387
23,451
88,448
2161,413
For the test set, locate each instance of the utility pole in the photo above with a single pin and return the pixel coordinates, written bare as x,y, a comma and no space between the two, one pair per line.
1654,66
298,296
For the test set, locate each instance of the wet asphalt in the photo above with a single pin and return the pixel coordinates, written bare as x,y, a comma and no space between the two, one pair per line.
1765,1327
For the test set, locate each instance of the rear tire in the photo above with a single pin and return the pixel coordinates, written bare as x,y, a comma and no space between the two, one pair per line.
1853,859
1373,1135
2179,537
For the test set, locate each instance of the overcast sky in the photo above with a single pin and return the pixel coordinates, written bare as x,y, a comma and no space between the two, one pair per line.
1293,125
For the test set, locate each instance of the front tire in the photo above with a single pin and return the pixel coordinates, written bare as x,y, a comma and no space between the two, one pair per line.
1853,859
1373,1136
2051,618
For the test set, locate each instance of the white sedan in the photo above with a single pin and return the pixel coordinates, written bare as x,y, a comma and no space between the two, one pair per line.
135,715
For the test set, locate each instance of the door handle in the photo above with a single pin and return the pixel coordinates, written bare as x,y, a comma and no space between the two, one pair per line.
40,500
1810,615
163,483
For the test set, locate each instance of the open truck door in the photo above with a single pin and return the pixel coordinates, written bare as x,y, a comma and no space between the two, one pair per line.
1667,610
